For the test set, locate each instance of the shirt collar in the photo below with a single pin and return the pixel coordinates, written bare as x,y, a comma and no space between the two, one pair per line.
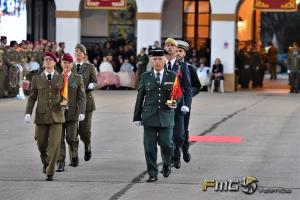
49,73
81,63
172,61
161,72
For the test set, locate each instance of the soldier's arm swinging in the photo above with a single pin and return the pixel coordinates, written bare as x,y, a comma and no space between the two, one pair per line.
139,101
32,97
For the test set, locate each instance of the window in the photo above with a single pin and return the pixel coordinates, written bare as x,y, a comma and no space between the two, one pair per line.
196,21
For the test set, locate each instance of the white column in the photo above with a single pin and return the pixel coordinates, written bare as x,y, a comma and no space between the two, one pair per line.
223,43
148,22
68,31
68,23
223,34
148,31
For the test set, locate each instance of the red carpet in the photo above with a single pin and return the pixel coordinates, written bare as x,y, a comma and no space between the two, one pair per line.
229,139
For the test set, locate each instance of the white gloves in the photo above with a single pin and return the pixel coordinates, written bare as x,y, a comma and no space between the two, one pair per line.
172,107
91,86
137,123
289,71
27,118
81,117
185,109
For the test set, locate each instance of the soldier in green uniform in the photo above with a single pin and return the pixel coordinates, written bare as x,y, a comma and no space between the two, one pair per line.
88,73
49,117
74,113
293,65
141,60
157,118
3,72
272,58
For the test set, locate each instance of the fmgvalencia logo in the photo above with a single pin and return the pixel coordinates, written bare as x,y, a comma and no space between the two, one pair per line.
248,185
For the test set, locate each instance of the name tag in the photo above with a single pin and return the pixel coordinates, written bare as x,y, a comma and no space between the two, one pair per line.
168,83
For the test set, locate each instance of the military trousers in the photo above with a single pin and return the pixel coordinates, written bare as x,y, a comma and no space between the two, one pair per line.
69,134
84,131
163,137
294,76
48,137
273,72
178,134
186,144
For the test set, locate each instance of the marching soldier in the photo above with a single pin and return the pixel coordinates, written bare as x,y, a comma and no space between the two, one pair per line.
157,118
294,67
196,86
88,72
184,104
46,91
75,112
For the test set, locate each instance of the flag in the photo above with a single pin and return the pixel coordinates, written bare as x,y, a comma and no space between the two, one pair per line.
64,91
176,91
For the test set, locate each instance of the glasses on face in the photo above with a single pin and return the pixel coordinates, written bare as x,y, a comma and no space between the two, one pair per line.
48,59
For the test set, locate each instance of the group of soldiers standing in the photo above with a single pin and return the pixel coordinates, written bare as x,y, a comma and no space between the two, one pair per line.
252,61
164,123
23,61
62,115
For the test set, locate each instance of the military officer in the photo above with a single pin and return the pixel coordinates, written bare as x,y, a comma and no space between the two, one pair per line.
75,112
183,106
88,73
46,91
157,118
293,65
142,61
255,63
196,86
272,58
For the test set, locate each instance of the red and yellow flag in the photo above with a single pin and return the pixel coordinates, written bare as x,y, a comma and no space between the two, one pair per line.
64,91
176,91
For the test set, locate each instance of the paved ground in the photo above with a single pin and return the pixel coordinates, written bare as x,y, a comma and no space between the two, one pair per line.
267,121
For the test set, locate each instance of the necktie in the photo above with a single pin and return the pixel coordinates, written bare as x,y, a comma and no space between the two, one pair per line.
169,66
78,67
157,78
49,77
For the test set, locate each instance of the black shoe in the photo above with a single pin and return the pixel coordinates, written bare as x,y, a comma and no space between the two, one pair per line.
49,178
296,91
74,162
44,168
87,156
177,163
60,168
186,157
166,170
151,179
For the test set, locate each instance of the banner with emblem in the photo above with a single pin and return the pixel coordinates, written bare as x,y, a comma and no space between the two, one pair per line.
276,5
106,4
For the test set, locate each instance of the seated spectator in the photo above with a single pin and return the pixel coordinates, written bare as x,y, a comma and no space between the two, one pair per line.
126,66
217,76
105,66
203,75
126,75
106,77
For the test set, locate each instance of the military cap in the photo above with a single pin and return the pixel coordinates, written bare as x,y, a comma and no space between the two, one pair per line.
183,45
157,52
81,47
67,57
171,41
50,54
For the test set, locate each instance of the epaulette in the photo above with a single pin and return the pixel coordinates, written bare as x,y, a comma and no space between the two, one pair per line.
145,73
